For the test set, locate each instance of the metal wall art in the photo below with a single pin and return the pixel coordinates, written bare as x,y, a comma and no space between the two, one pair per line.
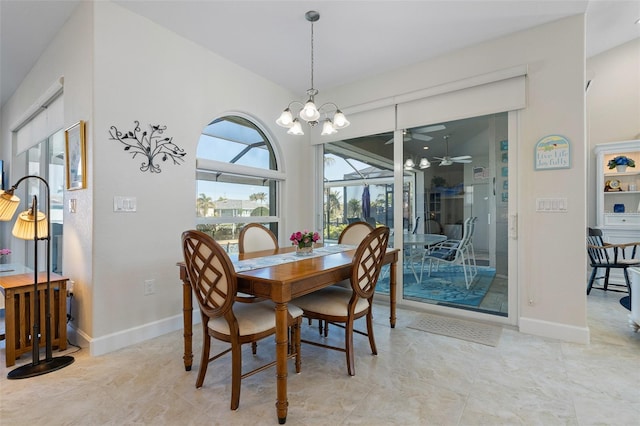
151,144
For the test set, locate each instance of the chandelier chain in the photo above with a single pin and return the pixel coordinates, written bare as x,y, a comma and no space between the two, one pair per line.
312,64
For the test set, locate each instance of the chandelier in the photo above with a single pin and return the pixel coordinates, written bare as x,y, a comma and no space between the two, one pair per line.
308,111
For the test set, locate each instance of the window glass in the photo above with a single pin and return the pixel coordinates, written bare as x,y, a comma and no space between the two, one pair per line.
229,197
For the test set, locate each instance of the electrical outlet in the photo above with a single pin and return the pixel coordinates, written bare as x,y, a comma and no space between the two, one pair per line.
149,287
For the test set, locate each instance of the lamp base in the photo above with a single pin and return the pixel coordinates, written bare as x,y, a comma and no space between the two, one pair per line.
44,367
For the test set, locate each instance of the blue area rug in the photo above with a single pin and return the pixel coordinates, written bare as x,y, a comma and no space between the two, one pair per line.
446,286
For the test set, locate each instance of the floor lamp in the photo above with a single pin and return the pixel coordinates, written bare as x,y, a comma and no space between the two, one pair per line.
34,225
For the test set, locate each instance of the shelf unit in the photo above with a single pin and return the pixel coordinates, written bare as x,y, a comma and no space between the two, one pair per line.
618,227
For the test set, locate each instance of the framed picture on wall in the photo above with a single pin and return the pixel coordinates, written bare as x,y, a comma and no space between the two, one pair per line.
75,156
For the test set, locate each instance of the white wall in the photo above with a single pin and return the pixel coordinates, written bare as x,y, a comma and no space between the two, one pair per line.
136,70
613,104
551,257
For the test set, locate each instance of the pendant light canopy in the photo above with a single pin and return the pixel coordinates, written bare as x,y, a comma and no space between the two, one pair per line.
309,112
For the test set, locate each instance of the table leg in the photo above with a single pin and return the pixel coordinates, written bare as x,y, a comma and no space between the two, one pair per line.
282,345
392,293
10,327
187,316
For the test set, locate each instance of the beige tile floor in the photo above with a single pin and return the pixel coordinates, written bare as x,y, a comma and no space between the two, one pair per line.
416,379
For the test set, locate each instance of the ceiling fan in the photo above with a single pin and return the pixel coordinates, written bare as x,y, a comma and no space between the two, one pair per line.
417,133
447,161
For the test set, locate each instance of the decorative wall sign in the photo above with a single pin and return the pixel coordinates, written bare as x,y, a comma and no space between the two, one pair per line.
552,152
75,156
149,144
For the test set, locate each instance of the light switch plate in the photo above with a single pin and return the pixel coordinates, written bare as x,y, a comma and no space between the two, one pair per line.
123,204
551,205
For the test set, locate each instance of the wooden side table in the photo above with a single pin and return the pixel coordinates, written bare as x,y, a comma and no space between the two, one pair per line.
19,312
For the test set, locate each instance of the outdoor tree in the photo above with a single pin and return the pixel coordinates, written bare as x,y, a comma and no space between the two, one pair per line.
354,208
260,196
204,203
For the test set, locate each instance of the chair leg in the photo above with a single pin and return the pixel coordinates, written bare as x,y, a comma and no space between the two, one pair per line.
606,279
204,359
372,340
627,280
296,342
236,374
591,280
254,347
348,346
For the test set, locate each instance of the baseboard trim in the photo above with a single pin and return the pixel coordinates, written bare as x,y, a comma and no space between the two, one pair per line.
554,330
121,339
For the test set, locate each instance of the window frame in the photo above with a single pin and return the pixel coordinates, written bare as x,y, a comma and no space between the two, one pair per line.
207,165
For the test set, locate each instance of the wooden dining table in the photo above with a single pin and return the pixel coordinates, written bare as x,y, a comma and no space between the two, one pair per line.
281,283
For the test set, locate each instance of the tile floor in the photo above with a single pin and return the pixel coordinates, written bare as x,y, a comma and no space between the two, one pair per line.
416,379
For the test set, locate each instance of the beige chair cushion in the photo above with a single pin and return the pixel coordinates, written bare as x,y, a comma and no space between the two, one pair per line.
330,301
252,318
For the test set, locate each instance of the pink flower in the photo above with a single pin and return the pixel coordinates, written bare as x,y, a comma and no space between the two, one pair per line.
4,252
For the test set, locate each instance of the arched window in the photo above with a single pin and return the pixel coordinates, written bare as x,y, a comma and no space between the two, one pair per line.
237,179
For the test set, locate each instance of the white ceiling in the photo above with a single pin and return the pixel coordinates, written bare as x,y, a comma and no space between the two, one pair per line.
353,39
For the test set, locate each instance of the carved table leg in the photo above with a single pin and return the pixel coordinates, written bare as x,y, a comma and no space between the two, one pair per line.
282,345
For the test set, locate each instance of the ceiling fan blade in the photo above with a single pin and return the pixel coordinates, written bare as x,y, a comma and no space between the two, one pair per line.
445,162
461,157
390,141
420,137
460,161
428,129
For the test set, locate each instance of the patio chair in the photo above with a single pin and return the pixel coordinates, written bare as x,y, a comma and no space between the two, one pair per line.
456,252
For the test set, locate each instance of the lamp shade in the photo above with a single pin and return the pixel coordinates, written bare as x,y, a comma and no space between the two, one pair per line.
285,119
8,205
409,164
296,128
327,128
26,223
339,120
309,112
424,163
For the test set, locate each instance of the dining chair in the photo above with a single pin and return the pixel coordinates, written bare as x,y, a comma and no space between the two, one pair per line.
256,237
214,283
341,306
353,234
609,256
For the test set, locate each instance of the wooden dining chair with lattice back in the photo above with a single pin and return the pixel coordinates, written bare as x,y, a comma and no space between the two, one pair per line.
338,305
353,234
214,283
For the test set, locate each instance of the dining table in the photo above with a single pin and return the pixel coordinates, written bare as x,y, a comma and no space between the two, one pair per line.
419,243
282,282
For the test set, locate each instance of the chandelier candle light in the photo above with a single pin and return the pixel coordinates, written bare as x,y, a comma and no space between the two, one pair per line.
309,112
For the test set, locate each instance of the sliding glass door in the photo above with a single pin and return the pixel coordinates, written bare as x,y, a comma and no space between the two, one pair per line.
454,207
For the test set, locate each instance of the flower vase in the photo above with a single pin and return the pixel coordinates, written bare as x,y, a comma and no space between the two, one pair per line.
621,168
304,250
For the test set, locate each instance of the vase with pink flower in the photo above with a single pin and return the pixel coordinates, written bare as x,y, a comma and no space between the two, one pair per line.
4,255
304,242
